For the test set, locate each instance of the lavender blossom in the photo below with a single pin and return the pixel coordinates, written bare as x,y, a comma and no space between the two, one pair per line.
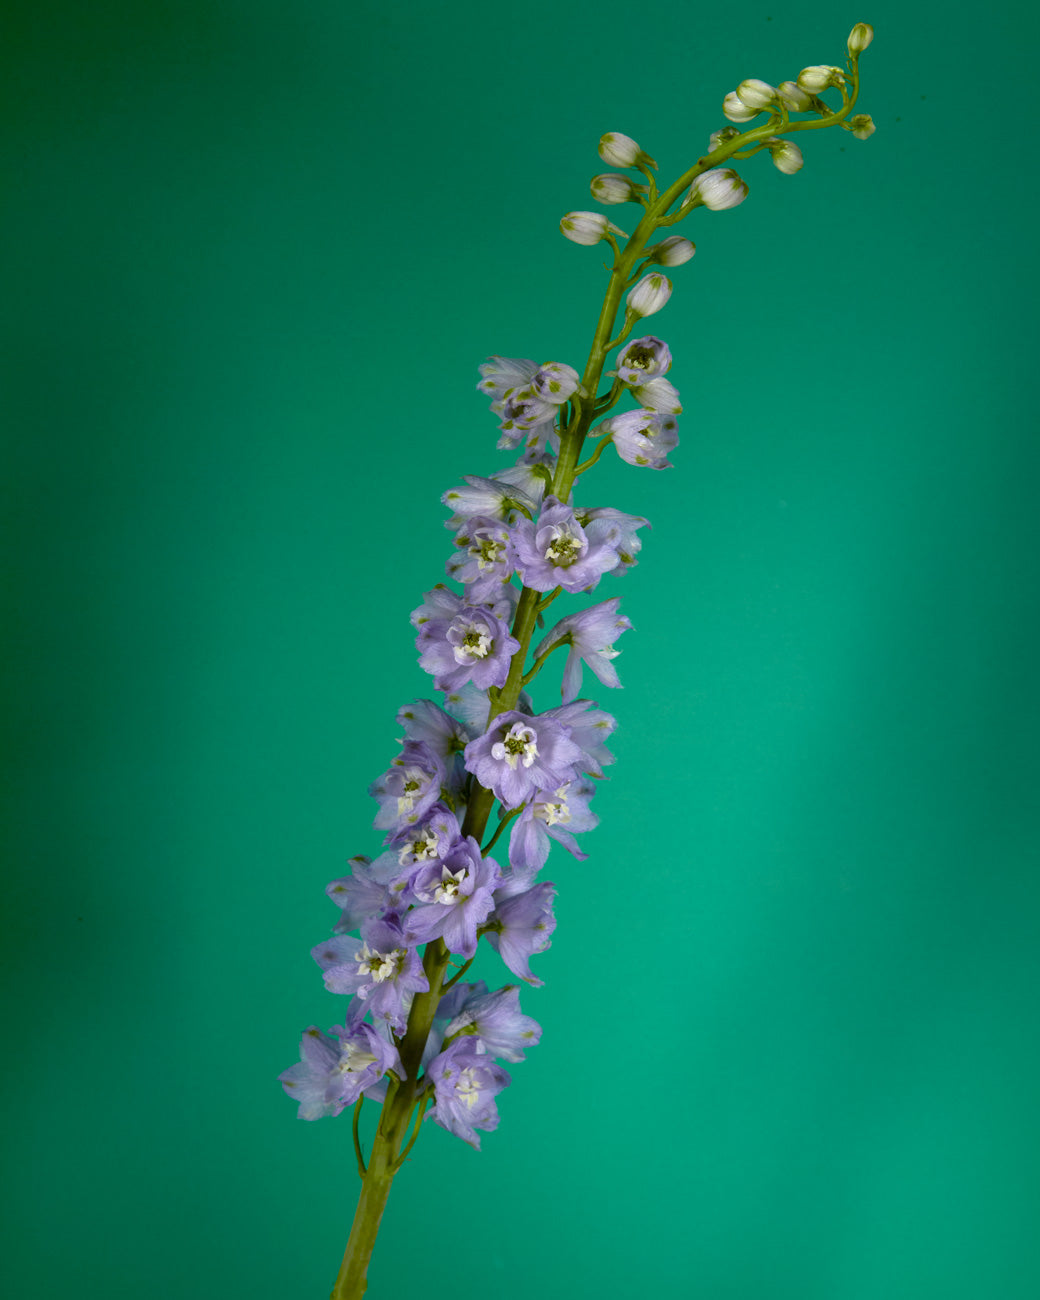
496,1024
409,787
454,897
551,815
336,1068
472,646
521,925
645,442
465,1084
383,971
484,559
628,544
590,636
520,755
588,727
643,359
556,551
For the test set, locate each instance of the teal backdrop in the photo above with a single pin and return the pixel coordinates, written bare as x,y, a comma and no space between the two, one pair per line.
254,254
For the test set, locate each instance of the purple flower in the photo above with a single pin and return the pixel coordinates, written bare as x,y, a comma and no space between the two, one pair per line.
409,787
497,1023
484,559
454,897
465,1085
500,374
382,971
556,551
521,925
590,636
659,394
473,646
648,445
628,543
551,815
520,754
333,1074
501,498
589,728
643,359
363,893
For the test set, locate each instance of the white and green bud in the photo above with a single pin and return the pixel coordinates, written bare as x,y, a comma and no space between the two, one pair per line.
622,151
717,189
722,136
613,188
859,38
649,295
786,155
673,251
820,77
861,125
756,94
587,227
793,97
736,110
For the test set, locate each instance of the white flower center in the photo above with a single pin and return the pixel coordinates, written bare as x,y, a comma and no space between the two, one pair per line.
378,966
447,891
421,849
519,744
555,813
564,548
467,1088
488,552
470,641
414,779
354,1060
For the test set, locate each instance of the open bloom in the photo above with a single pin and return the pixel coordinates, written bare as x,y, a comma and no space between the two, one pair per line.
465,1084
520,754
383,970
336,1068
556,551
473,646
454,897
590,636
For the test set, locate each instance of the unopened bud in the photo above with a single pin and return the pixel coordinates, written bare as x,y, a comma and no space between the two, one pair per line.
587,227
859,38
717,189
622,151
722,136
756,94
861,125
612,188
786,156
673,251
649,295
736,110
819,77
793,97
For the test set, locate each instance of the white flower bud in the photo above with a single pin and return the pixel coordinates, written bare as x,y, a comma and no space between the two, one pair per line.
673,251
736,110
756,94
786,155
793,97
612,188
862,126
717,189
587,227
859,38
622,151
649,295
819,77
722,136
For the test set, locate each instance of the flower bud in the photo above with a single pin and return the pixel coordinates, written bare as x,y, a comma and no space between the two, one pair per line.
622,151
672,251
736,110
612,188
717,189
756,94
786,155
819,77
587,227
649,295
859,38
722,136
793,97
861,125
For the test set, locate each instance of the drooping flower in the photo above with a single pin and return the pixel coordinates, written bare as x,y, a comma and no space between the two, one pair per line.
465,1084
644,438
409,787
496,1024
362,894
519,755
589,728
484,558
550,815
590,636
521,925
628,543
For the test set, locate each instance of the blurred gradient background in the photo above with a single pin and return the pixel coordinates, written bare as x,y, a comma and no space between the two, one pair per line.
254,255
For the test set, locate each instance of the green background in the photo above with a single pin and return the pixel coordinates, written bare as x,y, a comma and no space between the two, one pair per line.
254,254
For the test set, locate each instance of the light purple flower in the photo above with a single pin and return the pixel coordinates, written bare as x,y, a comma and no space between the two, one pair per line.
465,1085
454,897
409,787
500,374
336,1068
502,497
628,544
590,635
473,646
643,359
658,394
645,442
521,925
589,728
483,559
519,755
383,970
496,1024
556,551
362,894
551,814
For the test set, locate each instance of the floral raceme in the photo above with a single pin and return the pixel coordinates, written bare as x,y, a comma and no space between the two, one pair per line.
489,779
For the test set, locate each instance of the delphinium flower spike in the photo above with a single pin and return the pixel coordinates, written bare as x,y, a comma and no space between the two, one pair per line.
424,1044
